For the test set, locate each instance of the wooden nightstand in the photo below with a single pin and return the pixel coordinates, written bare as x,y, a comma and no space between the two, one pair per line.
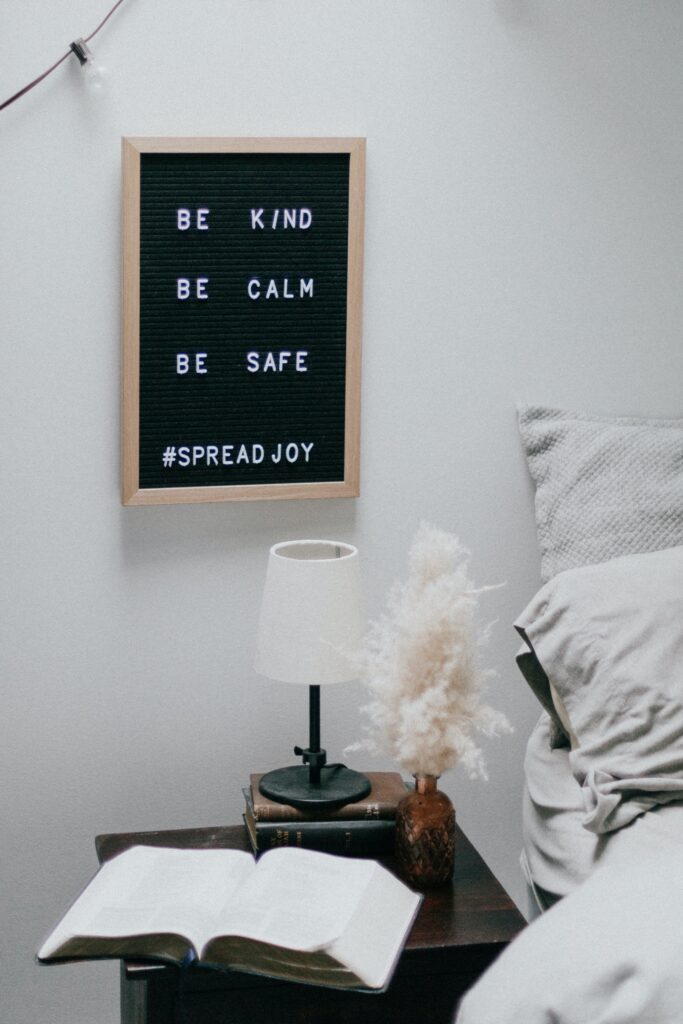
459,931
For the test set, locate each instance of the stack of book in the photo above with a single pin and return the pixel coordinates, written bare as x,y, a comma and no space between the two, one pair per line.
362,829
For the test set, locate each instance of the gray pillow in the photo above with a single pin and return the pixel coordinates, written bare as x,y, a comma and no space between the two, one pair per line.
604,487
609,640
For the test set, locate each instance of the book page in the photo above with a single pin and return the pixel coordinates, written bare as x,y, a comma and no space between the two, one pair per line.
152,890
299,899
374,938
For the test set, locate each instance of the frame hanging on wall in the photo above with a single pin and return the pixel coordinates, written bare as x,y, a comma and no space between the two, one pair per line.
242,300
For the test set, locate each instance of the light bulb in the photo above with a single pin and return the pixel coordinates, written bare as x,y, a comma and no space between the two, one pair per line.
95,73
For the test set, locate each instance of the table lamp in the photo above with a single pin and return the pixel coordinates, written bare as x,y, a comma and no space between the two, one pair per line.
310,615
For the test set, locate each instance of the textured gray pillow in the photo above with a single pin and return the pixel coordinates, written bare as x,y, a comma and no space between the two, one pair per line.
604,486
609,639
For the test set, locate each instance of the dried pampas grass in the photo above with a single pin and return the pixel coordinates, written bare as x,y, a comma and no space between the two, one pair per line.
420,664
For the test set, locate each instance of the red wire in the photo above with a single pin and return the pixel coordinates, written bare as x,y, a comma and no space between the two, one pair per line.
104,21
36,81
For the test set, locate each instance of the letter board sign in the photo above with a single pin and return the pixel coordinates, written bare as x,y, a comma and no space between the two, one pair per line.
242,282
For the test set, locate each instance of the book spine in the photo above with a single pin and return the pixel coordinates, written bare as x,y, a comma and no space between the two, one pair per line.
287,815
355,838
385,795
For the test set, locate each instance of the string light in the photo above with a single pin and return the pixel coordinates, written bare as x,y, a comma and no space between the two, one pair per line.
94,72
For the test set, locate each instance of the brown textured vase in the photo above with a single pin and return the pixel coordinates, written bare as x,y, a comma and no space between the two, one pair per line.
425,835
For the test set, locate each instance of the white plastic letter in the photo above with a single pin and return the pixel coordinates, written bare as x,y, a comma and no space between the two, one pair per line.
183,456
198,453
286,294
292,452
305,218
300,361
201,287
182,363
212,455
183,288
226,456
306,287
254,288
284,359
256,219
252,362
199,361
183,219
202,214
271,291
306,448
290,219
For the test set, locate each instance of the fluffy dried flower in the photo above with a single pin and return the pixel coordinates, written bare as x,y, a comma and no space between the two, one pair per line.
420,664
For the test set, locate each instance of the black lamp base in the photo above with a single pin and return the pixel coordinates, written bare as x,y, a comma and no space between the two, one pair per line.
338,786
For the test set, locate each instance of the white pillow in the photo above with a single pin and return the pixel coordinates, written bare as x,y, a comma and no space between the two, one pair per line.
609,639
605,486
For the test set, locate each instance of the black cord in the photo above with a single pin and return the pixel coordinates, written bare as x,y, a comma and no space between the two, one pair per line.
39,79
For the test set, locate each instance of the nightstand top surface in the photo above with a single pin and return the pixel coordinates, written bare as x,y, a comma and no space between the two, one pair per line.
473,910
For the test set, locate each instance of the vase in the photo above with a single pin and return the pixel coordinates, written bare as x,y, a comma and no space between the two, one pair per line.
425,835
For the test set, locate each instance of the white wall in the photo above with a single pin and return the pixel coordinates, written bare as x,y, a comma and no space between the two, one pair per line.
523,227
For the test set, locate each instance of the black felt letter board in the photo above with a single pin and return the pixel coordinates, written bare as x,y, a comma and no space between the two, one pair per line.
242,289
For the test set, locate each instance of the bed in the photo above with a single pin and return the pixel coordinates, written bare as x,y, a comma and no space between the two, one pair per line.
602,650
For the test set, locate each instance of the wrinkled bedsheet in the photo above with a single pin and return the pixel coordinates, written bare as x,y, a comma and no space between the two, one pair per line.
559,853
611,951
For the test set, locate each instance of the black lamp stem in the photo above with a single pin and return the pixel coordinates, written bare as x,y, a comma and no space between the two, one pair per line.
314,732
322,785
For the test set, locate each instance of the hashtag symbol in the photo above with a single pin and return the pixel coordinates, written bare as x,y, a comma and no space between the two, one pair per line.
168,458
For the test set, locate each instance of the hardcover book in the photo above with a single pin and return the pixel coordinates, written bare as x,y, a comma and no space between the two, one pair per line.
387,788
362,837
296,915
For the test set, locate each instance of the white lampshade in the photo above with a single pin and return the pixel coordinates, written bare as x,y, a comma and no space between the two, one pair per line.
311,613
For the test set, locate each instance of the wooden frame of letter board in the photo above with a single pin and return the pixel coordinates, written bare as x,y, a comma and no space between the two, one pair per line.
349,487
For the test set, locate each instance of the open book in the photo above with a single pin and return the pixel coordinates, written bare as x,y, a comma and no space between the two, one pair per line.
298,915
